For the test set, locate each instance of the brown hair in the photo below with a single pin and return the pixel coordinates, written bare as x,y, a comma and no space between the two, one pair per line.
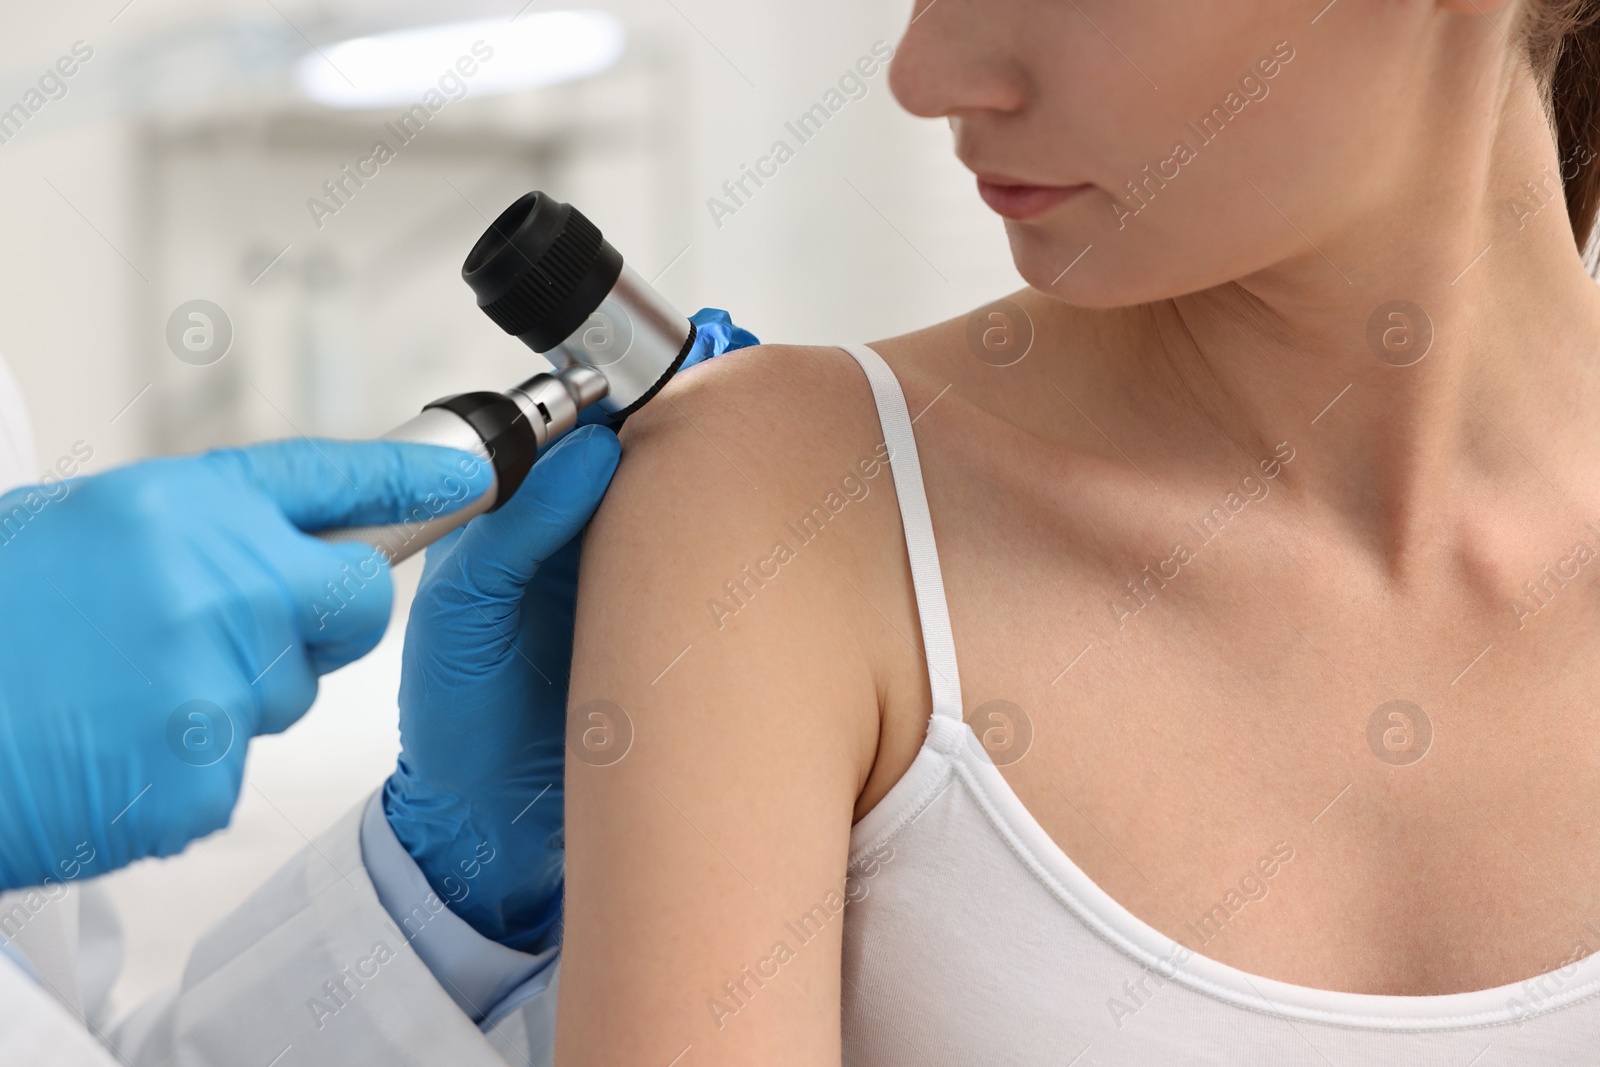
1563,42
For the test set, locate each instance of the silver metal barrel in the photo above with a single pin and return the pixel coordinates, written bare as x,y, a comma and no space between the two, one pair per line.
632,338
504,431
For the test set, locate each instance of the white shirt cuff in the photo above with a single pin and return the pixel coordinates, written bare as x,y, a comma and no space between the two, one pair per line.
478,973
13,952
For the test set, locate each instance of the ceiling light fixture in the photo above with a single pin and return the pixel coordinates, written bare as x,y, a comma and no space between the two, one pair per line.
398,68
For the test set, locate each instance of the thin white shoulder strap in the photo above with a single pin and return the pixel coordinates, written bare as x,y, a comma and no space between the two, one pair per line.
926,578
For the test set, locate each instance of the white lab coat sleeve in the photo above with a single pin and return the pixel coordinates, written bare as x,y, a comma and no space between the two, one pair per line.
313,967
511,995
38,1029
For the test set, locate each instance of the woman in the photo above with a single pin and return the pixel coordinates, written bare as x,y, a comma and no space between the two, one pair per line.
1263,552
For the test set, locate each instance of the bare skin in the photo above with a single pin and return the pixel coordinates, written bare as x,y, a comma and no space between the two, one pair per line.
1179,736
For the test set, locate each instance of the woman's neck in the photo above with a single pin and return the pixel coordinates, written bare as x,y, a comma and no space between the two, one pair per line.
1462,260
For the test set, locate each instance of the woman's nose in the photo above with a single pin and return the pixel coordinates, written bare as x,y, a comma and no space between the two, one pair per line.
956,58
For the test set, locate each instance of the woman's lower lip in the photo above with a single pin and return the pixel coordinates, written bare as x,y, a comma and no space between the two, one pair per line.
1025,201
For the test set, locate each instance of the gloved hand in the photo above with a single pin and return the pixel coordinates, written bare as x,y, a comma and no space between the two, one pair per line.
159,616
477,797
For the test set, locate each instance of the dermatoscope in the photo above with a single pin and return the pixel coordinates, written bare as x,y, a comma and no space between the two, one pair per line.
546,275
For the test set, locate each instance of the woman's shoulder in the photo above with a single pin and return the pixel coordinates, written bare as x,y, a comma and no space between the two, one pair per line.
753,494
753,520
758,392
745,441
747,437
807,389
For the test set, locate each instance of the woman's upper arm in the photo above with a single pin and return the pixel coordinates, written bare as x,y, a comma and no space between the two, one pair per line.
706,861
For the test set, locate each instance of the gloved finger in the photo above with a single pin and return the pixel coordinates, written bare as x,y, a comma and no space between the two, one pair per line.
320,484
343,596
499,552
274,682
284,688
715,334
247,670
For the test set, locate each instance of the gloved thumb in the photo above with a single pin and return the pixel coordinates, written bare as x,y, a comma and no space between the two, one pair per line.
499,552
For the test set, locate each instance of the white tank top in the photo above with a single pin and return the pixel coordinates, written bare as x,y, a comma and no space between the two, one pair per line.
971,938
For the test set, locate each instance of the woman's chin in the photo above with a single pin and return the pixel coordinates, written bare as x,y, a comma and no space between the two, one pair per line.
1110,270
1065,268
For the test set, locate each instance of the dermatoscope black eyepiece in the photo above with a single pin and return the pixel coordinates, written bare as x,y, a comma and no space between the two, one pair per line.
540,270
546,275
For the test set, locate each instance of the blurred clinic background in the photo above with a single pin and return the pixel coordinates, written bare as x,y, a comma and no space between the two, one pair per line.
200,150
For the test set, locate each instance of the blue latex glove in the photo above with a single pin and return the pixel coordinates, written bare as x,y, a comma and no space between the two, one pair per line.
158,616
716,334
477,797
